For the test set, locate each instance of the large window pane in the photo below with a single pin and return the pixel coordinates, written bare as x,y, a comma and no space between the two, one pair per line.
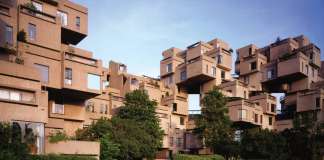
63,16
68,76
43,70
93,81
15,96
9,35
4,94
32,31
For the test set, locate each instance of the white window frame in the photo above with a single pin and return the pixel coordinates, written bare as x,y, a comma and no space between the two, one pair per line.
63,16
55,110
32,31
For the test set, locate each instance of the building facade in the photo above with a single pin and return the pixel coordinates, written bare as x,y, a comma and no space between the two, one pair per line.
48,85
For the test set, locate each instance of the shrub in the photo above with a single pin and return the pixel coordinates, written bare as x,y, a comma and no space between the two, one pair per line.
21,36
197,157
57,137
60,157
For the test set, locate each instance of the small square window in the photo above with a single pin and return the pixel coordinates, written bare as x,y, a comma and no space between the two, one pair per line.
223,74
253,65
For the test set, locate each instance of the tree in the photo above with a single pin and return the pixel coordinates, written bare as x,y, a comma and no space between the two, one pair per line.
140,109
214,125
11,146
258,143
306,137
134,133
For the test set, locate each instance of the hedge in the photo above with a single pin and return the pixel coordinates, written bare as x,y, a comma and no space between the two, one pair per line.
197,157
60,157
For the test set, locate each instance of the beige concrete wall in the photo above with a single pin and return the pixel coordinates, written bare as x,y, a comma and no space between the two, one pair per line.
73,147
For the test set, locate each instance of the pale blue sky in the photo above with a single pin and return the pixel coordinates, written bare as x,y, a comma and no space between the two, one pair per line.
136,32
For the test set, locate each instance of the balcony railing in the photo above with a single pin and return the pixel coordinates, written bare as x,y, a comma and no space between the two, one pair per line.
83,60
37,13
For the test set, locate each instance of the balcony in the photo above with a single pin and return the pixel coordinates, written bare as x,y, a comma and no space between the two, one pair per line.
244,113
71,147
38,14
195,72
292,67
75,22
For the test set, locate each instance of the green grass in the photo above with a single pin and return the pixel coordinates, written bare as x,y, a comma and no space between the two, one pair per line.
198,157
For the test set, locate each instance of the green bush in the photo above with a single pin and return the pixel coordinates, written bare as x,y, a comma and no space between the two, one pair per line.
60,157
57,137
197,157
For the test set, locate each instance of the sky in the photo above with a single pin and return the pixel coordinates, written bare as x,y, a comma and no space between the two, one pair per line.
135,32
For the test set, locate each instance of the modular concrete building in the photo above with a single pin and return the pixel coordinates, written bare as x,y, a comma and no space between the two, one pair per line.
49,85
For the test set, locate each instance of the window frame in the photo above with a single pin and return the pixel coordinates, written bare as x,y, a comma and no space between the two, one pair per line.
32,31
9,35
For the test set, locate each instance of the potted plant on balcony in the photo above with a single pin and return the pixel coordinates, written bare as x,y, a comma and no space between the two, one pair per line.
21,36
30,6
7,48
19,59
30,139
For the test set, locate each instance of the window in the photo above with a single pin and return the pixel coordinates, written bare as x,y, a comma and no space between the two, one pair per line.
90,106
4,10
17,95
174,107
250,51
63,16
242,114
38,6
9,35
93,81
77,22
183,75
253,65
270,74
223,74
273,107
169,67
44,72
219,59
122,68
68,76
4,94
214,71
261,119
32,31
270,121
104,109
313,72
58,108
134,81
181,121
317,103
256,118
